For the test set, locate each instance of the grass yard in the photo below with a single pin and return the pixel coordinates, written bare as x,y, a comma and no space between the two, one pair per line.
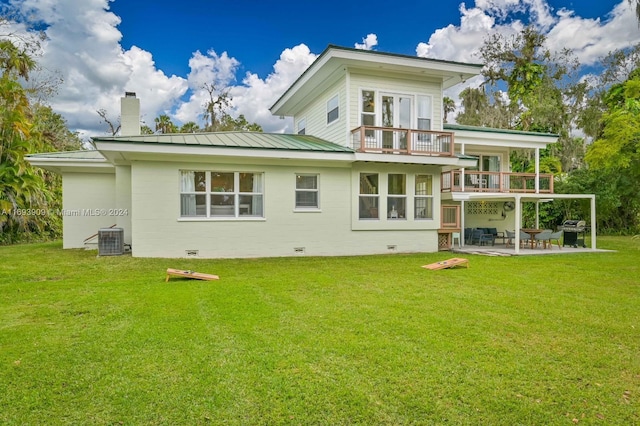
540,340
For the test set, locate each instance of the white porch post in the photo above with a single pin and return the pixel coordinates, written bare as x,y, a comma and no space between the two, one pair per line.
461,172
462,236
537,170
537,213
518,212
593,222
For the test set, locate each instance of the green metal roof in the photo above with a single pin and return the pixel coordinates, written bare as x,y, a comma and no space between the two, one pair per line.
70,155
454,127
247,140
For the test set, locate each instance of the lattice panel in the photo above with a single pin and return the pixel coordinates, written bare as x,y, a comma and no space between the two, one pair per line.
483,207
443,241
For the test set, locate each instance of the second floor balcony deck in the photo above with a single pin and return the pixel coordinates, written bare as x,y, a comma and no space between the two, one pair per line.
475,181
391,140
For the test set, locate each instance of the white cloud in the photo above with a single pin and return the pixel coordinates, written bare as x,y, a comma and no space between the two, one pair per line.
83,48
254,96
368,43
589,39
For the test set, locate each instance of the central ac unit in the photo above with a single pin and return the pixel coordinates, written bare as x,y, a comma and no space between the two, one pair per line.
110,241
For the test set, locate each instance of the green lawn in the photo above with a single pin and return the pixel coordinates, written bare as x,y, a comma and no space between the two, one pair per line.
538,340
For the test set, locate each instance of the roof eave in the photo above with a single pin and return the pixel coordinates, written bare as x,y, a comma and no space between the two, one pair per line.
455,72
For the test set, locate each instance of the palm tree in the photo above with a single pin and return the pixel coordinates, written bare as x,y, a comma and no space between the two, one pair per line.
21,186
448,106
164,124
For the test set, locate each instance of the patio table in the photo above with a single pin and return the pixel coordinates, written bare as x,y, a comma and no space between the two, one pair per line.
533,232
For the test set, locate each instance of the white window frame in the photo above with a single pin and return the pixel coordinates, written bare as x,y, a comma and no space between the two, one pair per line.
236,194
315,190
374,194
330,109
302,126
393,214
417,197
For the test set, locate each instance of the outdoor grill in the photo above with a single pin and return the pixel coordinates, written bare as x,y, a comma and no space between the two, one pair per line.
572,229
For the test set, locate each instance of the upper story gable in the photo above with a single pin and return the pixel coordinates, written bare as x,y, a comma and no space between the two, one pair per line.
345,89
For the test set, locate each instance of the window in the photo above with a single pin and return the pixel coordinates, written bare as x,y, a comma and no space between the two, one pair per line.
302,126
424,123
368,197
307,191
368,113
423,200
486,163
397,196
424,112
333,109
221,194
193,194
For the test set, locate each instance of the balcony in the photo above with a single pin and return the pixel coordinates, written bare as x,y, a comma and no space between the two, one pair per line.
390,140
495,182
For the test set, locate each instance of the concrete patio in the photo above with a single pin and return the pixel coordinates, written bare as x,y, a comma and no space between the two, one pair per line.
503,250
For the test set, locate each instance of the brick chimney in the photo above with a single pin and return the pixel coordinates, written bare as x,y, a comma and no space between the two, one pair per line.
129,115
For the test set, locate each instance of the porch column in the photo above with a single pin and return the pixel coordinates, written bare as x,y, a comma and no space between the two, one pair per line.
537,171
537,212
462,239
461,174
518,225
593,222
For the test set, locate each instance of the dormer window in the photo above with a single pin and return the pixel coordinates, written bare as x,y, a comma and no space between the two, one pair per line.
333,109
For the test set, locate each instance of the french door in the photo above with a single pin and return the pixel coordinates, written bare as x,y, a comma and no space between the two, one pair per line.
396,112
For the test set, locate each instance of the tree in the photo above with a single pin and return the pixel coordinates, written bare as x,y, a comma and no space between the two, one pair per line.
190,127
543,92
228,124
217,117
114,126
618,66
637,2
54,131
165,125
22,188
448,106
479,110
219,101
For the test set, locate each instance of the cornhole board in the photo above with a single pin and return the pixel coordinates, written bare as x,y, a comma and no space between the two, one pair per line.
190,274
449,263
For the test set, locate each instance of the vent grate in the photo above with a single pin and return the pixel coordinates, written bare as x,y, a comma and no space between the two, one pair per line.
110,242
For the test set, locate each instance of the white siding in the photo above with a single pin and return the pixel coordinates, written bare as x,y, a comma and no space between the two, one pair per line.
159,232
85,199
316,115
397,85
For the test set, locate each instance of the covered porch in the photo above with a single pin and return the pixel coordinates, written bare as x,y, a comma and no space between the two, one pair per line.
504,212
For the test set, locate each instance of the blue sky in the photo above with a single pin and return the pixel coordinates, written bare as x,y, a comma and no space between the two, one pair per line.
255,32
165,50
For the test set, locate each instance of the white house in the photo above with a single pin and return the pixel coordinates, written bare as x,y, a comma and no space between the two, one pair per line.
371,169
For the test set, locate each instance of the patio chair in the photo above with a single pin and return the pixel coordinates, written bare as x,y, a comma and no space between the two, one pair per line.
523,238
481,237
555,236
468,235
496,234
543,237
510,236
